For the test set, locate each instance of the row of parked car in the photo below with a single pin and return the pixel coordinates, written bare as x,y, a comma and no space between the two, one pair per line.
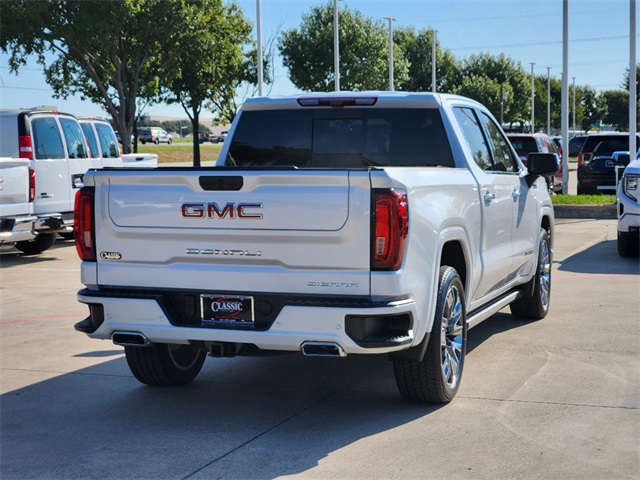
605,166
43,158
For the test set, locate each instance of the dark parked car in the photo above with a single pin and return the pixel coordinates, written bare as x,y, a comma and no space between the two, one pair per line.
575,145
596,165
526,143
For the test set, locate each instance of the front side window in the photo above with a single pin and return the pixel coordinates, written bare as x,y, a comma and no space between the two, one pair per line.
76,147
341,138
46,138
503,160
472,133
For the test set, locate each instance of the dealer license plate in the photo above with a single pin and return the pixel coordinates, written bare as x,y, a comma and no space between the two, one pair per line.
226,309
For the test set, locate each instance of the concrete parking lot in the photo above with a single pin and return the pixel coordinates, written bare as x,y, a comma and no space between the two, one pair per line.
553,399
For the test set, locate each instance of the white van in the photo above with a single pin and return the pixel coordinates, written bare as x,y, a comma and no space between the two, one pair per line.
59,157
103,143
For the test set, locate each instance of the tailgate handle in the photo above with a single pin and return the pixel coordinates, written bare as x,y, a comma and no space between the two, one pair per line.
221,182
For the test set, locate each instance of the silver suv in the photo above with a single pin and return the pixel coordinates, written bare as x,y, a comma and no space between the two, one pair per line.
629,211
154,135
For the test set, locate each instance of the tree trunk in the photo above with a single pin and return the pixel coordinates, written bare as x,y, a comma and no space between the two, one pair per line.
195,124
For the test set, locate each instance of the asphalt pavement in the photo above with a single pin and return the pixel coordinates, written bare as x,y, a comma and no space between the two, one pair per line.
553,399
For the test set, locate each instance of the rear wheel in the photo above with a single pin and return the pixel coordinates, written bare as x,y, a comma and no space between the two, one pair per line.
39,244
169,141
157,141
165,364
535,304
436,378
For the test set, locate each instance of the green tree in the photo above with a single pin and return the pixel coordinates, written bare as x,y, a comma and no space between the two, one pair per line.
617,111
540,86
487,78
593,107
364,52
107,52
417,49
209,57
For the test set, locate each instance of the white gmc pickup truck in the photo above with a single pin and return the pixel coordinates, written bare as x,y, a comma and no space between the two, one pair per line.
333,224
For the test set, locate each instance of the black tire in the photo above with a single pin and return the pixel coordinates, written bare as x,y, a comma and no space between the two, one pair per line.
165,364
156,141
143,142
68,236
169,141
39,244
627,247
436,378
534,305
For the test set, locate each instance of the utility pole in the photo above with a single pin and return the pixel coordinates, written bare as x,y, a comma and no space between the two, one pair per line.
259,42
336,47
391,19
633,78
533,96
564,114
574,105
549,101
433,59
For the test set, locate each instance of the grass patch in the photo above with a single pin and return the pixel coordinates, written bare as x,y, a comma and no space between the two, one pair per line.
583,199
182,152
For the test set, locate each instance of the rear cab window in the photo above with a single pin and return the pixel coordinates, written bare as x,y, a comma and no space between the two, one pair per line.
108,141
341,138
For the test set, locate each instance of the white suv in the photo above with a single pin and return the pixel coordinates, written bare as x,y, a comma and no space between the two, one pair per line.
629,211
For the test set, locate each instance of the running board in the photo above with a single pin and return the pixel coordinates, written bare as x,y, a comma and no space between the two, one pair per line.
492,309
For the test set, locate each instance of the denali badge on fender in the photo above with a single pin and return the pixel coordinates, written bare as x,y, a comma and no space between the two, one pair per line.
211,210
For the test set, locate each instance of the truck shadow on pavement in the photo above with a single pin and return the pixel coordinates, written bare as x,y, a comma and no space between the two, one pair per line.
14,257
246,417
601,258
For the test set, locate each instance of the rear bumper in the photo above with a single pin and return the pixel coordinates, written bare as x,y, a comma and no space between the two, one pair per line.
17,229
362,327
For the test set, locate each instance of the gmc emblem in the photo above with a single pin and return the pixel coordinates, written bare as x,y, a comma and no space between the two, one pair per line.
212,210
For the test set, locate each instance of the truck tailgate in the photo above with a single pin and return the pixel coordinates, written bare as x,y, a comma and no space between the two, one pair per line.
294,231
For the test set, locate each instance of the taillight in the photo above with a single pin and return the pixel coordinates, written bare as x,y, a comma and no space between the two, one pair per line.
390,226
25,148
83,227
584,158
32,185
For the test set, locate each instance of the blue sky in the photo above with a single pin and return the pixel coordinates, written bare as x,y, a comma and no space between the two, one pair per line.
525,30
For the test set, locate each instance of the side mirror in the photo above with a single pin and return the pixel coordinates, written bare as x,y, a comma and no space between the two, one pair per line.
541,164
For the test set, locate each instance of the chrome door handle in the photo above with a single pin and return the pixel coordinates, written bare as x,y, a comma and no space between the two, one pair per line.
515,194
489,197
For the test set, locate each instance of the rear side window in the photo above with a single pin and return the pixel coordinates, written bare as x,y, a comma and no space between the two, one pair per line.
91,138
76,146
108,141
46,138
603,145
524,145
341,138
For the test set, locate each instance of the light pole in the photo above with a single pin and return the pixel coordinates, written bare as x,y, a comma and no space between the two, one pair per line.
533,94
633,78
391,19
433,59
336,47
574,105
548,101
259,42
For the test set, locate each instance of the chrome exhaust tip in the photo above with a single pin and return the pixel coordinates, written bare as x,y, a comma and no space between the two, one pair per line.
130,339
322,349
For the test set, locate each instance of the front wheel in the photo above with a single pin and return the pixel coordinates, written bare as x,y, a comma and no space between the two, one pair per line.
534,305
165,364
169,142
627,247
39,244
436,378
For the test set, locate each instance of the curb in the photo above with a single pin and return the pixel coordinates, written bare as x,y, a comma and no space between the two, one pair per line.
608,211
